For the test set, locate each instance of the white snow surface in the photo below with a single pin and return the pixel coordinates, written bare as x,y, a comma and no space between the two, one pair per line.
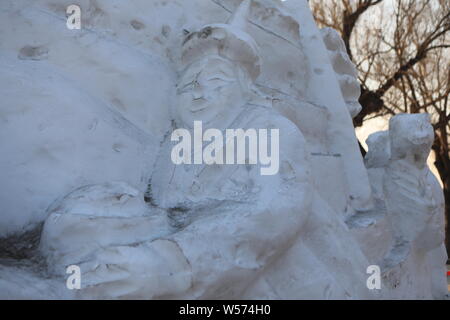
83,116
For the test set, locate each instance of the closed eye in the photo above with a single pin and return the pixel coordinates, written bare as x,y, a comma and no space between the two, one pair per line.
220,79
188,86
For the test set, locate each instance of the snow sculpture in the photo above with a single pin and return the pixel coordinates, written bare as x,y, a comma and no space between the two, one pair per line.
211,245
344,68
224,205
402,180
410,202
307,230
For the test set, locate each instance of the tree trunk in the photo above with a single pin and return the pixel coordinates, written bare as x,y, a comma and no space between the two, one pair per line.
442,164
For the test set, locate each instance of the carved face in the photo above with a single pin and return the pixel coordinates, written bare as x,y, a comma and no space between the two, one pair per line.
211,90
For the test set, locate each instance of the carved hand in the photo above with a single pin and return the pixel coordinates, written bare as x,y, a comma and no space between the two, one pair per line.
156,269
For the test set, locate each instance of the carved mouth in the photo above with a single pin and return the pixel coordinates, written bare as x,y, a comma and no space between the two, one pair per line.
199,106
420,141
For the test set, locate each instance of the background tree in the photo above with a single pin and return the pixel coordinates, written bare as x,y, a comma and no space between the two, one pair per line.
402,51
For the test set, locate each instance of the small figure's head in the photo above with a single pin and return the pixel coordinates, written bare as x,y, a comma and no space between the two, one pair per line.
411,135
221,62
379,151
